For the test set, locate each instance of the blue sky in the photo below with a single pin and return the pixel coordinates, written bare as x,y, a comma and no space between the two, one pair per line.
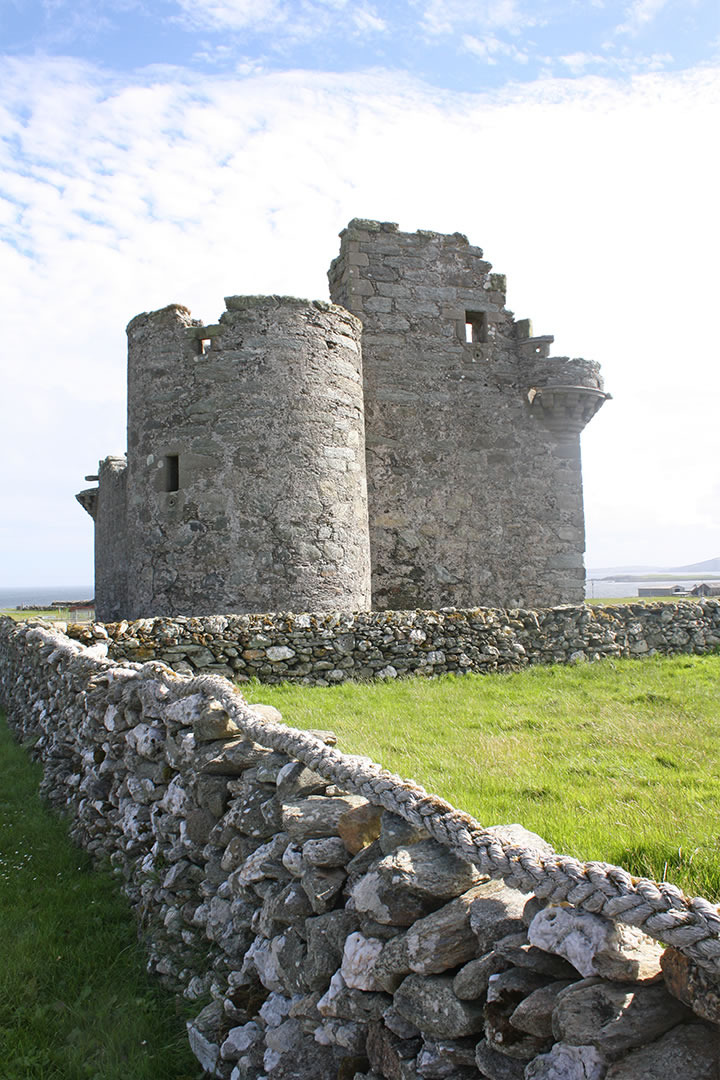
190,149
454,44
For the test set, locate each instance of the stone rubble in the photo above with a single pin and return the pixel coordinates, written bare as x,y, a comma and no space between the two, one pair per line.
334,940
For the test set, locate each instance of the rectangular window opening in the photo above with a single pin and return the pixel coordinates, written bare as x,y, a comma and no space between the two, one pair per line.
204,345
172,472
476,326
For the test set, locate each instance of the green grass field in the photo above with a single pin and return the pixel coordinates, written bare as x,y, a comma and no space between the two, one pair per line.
616,761
76,1002
617,601
56,614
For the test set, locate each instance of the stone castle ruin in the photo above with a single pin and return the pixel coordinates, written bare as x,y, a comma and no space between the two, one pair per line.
409,445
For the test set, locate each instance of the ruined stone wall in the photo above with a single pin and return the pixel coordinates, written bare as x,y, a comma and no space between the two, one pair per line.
325,648
344,923
107,506
111,540
246,460
473,497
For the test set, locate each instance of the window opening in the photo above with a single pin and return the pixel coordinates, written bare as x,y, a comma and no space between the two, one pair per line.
476,324
204,345
172,472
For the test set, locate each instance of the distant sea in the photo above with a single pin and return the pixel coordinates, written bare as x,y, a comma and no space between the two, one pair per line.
42,596
618,588
610,588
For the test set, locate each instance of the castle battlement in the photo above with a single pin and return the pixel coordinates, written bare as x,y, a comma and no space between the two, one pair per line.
407,445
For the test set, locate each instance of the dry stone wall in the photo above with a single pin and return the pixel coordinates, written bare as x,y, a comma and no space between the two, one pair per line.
342,922
331,647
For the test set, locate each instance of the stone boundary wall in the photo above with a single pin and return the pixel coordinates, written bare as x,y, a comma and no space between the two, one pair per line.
344,924
332,647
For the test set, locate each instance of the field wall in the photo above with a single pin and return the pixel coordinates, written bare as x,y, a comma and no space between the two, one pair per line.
335,922
332,647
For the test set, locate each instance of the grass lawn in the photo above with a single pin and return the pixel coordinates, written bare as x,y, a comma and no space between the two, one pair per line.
617,761
617,601
76,1002
56,614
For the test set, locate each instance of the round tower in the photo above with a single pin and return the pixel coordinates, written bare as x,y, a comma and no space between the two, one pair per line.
246,460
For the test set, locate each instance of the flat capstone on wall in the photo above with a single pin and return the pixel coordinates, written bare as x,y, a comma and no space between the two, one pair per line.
335,922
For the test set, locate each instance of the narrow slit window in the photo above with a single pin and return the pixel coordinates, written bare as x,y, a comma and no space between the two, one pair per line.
475,326
172,472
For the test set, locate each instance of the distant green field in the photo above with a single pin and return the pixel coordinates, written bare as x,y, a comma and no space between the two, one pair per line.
697,575
59,614
617,761
610,601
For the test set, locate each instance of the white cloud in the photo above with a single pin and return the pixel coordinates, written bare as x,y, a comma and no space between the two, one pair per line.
579,62
598,201
451,16
490,48
366,19
290,18
234,14
639,14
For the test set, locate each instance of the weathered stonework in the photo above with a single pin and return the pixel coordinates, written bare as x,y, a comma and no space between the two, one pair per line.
107,504
274,457
269,506
473,462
